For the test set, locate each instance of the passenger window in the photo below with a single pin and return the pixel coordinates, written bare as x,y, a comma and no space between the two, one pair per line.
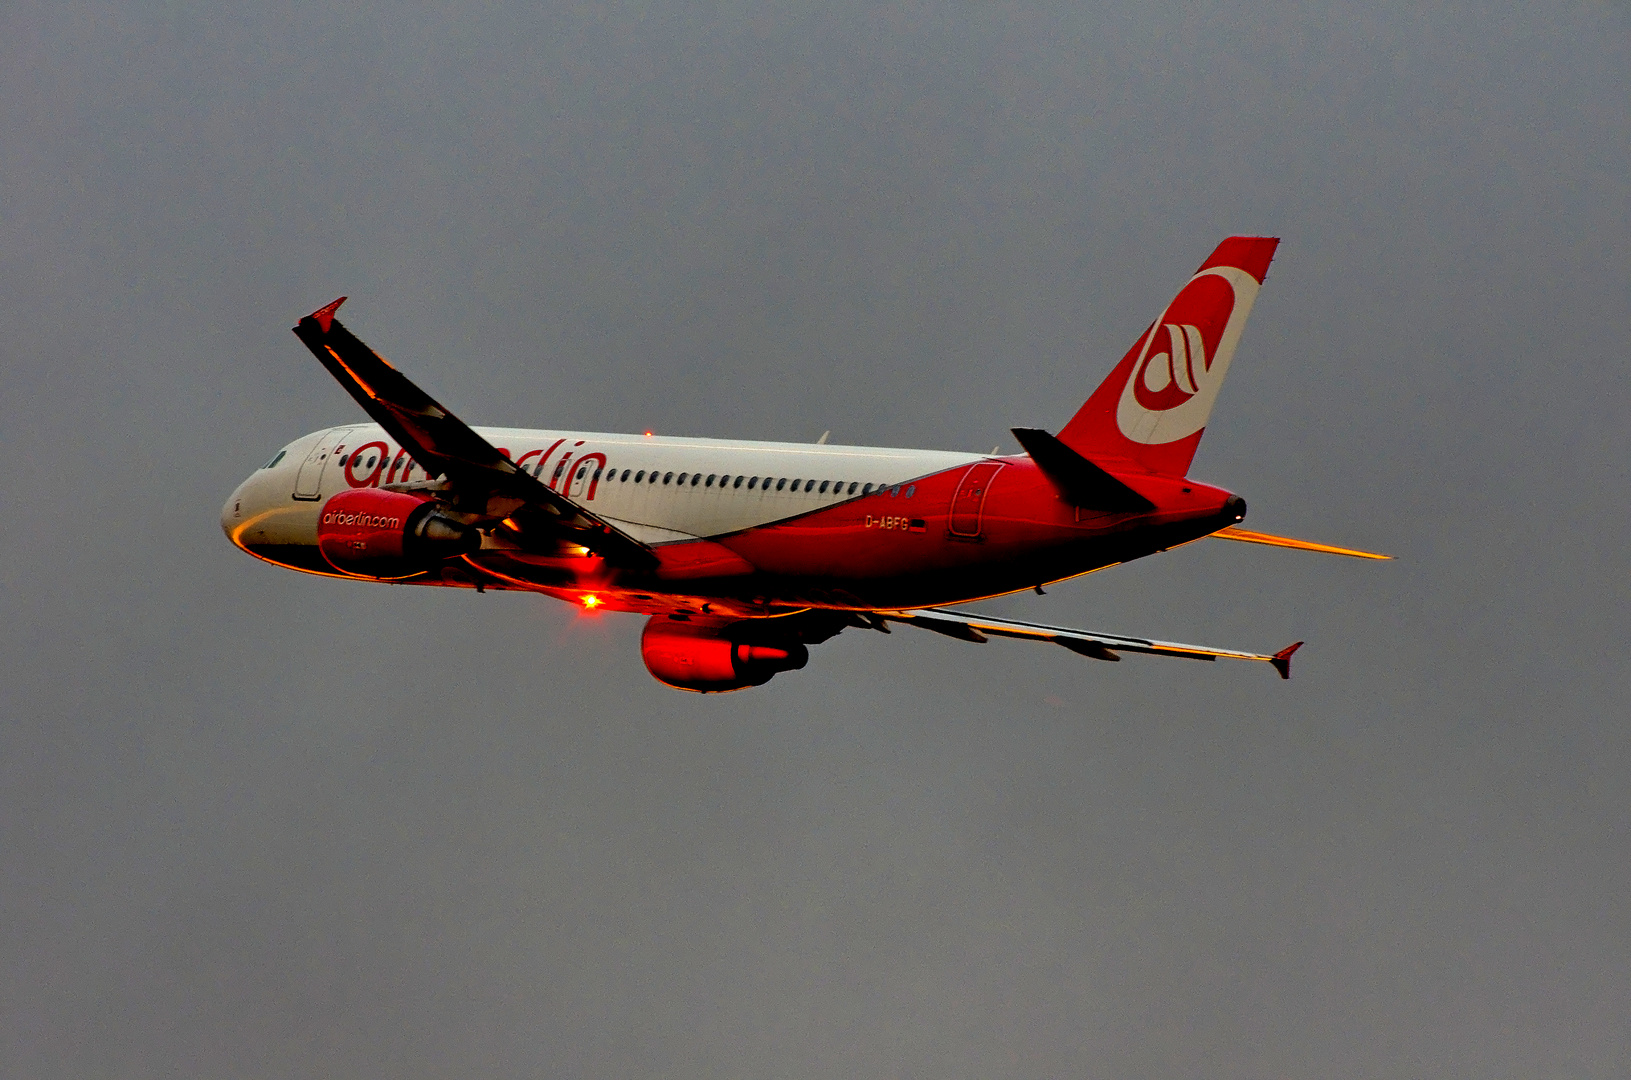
911,490
753,482
581,471
866,490
639,476
559,469
625,477
781,483
738,482
669,476
823,487
809,485
894,491
696,478
681,480
711,478
598,472
852,487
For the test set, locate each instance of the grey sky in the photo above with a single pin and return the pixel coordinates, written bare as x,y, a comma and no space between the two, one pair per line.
258,824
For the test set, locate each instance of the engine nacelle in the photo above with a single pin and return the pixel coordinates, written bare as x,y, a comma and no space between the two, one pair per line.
389,534
713,659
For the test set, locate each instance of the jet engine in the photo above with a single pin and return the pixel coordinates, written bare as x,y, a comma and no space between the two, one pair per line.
389,534
712,659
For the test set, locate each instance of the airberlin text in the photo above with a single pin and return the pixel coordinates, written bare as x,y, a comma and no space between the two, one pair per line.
364,521
375,463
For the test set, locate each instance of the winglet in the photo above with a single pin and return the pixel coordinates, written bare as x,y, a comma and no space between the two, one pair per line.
325,315
1282,659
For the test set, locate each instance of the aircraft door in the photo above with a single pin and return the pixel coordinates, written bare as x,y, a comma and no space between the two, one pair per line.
970,498
309,483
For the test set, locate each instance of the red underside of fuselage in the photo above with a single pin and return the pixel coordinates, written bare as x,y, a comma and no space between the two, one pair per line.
942,545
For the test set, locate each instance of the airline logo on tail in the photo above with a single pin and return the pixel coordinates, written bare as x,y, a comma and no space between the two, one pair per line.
1184,356
1150,412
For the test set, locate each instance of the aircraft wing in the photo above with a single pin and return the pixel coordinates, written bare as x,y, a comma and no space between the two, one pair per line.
481,480
968,627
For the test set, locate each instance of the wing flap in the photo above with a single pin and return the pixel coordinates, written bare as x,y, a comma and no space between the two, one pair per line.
970,627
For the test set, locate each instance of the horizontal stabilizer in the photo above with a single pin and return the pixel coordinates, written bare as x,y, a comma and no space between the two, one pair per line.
1246,536
1081,482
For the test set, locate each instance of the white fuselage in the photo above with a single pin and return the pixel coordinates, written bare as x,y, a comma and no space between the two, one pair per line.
634,481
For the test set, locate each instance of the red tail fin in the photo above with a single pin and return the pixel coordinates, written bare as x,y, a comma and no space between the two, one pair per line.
1152,410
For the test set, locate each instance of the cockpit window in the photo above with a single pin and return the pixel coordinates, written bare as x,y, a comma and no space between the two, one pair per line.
276,459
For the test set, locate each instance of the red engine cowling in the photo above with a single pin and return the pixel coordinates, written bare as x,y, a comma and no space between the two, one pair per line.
389,534
713,659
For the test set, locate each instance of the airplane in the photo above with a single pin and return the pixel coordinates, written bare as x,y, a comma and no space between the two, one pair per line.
744,554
